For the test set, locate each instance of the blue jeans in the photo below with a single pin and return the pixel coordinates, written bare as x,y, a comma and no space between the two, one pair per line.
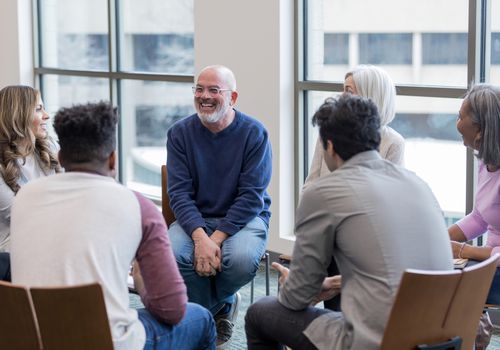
241,254
195,331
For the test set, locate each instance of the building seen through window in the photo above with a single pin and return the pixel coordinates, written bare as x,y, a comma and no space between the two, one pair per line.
152,37
420,44
376,48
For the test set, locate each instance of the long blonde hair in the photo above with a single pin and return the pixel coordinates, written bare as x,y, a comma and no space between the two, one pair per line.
17,140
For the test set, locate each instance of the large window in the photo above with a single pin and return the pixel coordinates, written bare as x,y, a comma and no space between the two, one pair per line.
426,48
376,48
495,48
495,43
138,55
444,48
336,48
155,52
397,35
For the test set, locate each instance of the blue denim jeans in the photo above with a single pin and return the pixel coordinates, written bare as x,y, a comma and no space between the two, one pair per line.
241,254
195,331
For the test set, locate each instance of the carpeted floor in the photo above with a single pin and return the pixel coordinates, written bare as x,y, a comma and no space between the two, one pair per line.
495,340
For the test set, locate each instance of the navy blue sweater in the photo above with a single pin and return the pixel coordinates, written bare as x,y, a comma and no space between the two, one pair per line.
223,175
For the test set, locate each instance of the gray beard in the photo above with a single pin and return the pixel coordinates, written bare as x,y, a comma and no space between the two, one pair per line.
215,116
211,118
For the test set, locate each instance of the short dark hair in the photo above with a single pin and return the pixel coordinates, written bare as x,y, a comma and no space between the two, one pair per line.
86,132
350,122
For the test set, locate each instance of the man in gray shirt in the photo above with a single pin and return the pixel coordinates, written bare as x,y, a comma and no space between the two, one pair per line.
375,218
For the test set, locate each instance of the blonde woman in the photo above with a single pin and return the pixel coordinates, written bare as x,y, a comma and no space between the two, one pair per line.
26,153
374,83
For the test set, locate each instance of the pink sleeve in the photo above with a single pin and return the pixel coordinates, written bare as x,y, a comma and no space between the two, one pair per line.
165,294
472,225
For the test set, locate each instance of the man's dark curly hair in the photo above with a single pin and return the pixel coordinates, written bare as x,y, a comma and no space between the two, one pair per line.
350,122
86,132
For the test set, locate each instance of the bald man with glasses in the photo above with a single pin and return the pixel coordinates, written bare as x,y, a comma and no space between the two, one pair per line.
219,167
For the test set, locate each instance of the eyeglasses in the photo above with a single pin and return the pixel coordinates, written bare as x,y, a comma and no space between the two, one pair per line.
213,91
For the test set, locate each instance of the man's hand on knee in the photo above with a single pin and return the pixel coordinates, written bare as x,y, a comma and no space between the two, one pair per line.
206,254
218,237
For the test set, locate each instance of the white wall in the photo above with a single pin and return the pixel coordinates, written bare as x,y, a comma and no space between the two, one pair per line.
257,45
16,53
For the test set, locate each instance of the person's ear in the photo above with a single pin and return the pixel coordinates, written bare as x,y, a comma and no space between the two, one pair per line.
234,97
477,139
112,164
112,161
329,148
60,158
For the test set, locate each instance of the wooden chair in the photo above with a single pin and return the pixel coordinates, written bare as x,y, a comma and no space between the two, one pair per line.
169,217
167,212
18,327
437,309
72,317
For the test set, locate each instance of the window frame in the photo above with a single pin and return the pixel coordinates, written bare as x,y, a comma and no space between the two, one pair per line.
478,45
114,73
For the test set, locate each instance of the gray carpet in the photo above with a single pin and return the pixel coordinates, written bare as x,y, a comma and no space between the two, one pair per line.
495,340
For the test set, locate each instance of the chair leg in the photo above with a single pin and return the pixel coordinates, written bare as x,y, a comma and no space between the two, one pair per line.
266,258
251,290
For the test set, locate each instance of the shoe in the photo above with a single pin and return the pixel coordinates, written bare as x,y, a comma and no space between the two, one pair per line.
225,323
484,332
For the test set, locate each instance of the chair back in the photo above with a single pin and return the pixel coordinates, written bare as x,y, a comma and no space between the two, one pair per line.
18,330
469,300
167,212
72,317
432,307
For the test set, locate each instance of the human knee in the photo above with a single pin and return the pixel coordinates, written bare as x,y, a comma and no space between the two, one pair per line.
260,307
202,320
241,264
197,311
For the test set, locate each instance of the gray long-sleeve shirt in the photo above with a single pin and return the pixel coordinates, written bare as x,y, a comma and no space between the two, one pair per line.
377,219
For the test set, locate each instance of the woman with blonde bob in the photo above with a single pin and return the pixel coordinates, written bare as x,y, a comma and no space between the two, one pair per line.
373,83
26,153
